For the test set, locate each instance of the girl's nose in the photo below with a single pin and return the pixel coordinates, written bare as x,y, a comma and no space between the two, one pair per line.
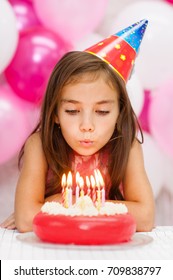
86,124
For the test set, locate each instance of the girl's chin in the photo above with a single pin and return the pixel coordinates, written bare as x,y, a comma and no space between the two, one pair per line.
85,153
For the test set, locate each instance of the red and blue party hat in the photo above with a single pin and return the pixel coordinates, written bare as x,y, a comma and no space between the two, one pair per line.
120,50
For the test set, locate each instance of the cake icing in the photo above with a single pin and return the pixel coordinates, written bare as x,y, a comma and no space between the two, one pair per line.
85,207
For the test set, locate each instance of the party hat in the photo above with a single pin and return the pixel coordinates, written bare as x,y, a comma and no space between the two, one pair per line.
120,50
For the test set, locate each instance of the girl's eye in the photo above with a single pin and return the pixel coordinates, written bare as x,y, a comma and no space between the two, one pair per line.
100,112
72,112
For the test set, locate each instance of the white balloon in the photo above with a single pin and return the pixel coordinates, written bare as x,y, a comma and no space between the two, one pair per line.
114,8
153,64
154,164
8,34
136,93
87,41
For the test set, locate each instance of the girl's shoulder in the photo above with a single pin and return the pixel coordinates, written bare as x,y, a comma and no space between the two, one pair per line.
136,146
33,142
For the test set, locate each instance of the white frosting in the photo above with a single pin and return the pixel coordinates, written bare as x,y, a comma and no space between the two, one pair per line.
111,208
84,206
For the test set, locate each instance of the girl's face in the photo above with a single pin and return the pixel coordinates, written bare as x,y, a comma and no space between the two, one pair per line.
87,115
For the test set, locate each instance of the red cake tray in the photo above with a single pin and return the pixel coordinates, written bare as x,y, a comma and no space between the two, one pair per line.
84,230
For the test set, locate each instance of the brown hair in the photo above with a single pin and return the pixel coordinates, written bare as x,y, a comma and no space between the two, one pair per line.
71,68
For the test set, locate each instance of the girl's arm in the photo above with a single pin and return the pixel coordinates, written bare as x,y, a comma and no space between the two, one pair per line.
30,189
137,190
9,223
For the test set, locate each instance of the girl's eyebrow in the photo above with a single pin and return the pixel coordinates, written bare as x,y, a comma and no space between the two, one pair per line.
70,101
107,101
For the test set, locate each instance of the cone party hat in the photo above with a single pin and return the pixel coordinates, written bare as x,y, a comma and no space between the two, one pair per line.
120,50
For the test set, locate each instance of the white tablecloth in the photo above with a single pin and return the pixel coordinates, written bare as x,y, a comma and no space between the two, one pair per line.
157,244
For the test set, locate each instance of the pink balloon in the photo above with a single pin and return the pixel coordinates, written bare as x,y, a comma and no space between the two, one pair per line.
169,1
14,127
143,117
30,1
71,19
161,117
25,14
37,53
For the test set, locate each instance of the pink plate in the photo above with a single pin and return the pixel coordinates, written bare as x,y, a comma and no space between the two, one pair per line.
84,230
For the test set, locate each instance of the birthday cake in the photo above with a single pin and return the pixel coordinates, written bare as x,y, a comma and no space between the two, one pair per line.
84,223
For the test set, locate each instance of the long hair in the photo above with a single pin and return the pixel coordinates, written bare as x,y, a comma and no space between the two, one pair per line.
71,68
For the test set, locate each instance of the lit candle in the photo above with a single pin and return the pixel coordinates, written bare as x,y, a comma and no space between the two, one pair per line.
81,184
93,185
66,200
102,184
88,186
98,199
97,178
69,186
96,174
103,196
63,184
77,185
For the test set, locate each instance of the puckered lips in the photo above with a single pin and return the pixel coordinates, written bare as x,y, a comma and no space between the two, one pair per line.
86,142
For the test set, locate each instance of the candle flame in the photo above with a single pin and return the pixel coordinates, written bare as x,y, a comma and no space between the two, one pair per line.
69,179
100,178
87,181
97,178
63,180
77,178
81,182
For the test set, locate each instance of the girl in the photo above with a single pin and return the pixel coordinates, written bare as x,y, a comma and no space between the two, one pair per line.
86,122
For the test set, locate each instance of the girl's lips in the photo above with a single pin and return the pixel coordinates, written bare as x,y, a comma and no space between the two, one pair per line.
86,143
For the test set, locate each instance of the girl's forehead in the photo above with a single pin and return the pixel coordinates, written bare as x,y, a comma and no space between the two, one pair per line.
89,91
89,77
